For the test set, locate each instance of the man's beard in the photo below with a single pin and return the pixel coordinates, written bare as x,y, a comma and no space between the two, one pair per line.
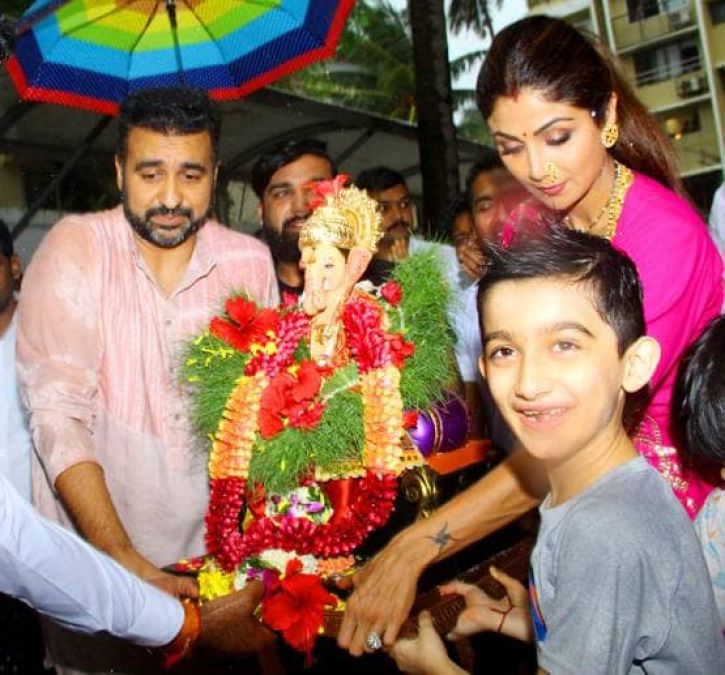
145,229
285,245
398,230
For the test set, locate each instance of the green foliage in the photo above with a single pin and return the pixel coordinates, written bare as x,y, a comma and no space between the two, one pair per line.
426,297
373,67
282,461
212,369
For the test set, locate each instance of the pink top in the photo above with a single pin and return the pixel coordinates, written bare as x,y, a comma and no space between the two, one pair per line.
681,272
99,353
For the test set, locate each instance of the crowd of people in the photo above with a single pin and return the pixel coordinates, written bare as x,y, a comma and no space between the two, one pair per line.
592,278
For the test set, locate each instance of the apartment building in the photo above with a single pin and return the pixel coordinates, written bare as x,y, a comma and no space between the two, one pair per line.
673,54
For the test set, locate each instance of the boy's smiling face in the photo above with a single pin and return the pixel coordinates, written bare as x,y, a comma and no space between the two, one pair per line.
553,366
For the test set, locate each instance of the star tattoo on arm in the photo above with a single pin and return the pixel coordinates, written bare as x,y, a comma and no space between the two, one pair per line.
442,538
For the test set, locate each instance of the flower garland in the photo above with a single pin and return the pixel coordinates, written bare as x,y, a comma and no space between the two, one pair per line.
305,458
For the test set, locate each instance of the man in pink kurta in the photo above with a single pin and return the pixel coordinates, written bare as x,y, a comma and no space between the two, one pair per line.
100,346
109,301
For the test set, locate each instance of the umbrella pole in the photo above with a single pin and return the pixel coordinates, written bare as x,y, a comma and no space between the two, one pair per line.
171,11
64,170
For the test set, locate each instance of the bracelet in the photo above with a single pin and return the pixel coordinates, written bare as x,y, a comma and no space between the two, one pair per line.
180,647
503,618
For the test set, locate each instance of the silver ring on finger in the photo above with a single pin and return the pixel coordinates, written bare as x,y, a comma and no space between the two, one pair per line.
373,641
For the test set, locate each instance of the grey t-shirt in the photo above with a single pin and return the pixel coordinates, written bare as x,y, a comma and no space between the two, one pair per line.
619,583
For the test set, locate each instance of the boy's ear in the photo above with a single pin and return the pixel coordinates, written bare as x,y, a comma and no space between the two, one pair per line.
640,361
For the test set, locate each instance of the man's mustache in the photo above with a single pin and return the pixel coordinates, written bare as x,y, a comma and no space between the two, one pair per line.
166,211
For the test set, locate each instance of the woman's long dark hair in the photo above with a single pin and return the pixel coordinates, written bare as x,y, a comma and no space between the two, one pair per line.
551,56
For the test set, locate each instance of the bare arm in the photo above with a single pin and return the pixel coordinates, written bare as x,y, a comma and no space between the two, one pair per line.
385,588
84,493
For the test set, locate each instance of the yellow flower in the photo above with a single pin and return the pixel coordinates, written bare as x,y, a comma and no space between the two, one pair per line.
215,583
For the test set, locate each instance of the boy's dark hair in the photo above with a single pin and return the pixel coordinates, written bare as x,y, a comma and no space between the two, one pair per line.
283,154
172,110
700,393
379,178
484,164
6,241
560,252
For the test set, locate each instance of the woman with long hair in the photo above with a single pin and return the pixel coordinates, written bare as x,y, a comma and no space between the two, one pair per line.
572,133
568,128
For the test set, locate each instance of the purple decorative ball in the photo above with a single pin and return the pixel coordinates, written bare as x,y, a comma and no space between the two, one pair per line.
445,426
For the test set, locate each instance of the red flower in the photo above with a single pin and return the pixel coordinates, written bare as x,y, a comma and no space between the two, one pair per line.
322,188
290,399
410,419
392,292
247,324
399,350
295,606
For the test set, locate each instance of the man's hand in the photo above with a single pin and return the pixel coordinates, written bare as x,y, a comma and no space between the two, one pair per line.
508,615
471,259
426,654
173,584
228,624
384,593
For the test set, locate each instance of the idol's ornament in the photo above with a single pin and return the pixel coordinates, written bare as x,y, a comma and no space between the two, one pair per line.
307,407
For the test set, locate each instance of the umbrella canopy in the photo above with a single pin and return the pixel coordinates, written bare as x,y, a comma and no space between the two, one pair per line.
91,53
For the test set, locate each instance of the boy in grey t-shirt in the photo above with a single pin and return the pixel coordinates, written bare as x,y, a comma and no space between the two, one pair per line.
618,581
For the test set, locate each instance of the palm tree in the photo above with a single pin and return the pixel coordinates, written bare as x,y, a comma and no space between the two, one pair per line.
373,67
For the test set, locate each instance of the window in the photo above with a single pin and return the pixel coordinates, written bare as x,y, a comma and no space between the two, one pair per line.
667,61
717,11
638,10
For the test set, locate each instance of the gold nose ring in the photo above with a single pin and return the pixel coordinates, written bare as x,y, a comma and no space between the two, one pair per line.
551,173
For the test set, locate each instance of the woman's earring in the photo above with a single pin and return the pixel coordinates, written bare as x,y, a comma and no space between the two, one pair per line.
610,135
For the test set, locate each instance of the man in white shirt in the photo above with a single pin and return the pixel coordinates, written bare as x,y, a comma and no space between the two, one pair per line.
15,443
717,218
21,646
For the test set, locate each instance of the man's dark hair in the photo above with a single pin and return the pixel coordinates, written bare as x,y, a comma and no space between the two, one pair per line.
699,398
6,241
457,206
379,178
173,110
484,164
556,251
283,154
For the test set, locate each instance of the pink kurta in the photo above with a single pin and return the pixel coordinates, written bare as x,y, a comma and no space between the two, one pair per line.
99,348
681,272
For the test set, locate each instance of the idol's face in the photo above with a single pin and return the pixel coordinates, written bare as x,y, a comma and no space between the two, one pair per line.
285,204
166,181
552,365
552,148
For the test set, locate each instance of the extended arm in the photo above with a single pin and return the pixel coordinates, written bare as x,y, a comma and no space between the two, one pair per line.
386,587
59,349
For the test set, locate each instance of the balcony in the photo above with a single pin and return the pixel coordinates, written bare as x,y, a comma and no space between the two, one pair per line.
632,34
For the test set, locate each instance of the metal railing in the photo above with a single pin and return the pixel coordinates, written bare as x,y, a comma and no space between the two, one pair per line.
628,33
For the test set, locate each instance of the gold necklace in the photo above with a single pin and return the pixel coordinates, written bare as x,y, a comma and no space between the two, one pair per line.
623,178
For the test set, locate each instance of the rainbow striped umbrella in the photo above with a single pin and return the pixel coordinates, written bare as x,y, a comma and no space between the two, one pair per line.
91,53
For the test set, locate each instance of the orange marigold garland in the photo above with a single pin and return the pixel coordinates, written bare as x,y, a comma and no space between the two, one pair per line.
305,455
